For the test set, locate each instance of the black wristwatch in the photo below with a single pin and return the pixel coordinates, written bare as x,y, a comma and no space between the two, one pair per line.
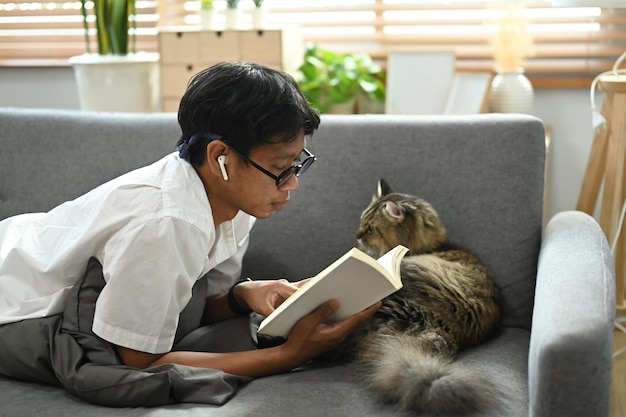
232,301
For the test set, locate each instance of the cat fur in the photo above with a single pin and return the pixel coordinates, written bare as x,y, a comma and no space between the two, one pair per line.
449,302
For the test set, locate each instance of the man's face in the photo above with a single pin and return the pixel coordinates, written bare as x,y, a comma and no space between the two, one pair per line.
257,193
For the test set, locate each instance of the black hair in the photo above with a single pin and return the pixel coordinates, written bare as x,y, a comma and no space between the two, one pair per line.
246,104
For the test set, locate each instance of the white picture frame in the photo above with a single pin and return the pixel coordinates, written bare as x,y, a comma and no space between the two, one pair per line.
418,81
469,92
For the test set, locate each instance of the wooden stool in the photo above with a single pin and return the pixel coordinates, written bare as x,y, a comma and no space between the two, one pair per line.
607,161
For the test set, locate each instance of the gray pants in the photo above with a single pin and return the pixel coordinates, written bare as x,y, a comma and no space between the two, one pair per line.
62,350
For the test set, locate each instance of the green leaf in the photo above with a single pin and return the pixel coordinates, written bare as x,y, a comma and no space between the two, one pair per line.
206,5
368,86
113,18
118,27
83,10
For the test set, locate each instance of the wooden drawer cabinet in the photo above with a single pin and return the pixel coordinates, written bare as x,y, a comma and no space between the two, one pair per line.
253,48
178,47
184,52
218,46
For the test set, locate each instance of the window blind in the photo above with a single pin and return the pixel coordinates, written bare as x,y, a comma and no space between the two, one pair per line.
570,44
48,32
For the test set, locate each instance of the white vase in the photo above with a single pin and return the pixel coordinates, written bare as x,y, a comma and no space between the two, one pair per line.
259,17
207,18
511,92
124,83
232,18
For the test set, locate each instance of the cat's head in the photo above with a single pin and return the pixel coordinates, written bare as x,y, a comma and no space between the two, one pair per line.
394,219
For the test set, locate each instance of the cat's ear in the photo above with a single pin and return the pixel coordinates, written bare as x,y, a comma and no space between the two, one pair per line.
395,211
383,188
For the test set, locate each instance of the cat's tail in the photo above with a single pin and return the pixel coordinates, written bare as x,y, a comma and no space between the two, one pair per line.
402,370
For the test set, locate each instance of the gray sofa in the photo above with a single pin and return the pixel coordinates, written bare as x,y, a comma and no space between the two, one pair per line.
484,174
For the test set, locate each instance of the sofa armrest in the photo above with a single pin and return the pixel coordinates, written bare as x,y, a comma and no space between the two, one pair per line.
572,330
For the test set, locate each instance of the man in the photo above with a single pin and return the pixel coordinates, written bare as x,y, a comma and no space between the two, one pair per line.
160,229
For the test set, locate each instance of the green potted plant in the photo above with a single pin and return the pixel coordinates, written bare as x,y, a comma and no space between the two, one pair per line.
116,78
330,80
259,15
207,14
232,14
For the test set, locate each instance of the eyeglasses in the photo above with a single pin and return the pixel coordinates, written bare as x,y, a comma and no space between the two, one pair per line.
286,175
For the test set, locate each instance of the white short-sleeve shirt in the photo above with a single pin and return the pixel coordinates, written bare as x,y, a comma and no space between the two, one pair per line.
151,229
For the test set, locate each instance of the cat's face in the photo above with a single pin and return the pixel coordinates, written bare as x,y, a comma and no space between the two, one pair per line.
394,219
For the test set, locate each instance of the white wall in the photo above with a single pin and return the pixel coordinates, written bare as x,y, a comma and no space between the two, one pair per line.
566,112
38,87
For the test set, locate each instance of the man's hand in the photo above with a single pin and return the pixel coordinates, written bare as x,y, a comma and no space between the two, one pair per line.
312,335
263,296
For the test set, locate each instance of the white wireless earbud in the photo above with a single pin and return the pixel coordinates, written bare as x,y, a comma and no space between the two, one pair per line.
222,161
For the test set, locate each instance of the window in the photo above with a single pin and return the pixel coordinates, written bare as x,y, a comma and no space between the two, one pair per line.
48,32
570,44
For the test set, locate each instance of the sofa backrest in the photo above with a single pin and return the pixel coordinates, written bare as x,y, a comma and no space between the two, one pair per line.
484,174
50,156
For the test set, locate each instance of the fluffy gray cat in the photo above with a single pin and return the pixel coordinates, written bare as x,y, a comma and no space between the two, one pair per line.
449,302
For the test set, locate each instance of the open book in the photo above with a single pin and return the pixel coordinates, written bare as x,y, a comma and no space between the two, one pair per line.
356,280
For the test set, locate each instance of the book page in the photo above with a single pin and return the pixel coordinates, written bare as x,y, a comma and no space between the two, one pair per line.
391,262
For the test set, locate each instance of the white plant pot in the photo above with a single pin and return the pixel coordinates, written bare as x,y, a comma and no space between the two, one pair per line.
259,17
343,108
232,18
124,83
207,18
365,105
511,92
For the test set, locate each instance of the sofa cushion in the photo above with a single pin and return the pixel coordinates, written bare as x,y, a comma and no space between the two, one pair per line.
318,389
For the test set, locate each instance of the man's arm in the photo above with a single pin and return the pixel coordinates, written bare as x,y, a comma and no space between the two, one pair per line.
309,338
217,309
252,363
